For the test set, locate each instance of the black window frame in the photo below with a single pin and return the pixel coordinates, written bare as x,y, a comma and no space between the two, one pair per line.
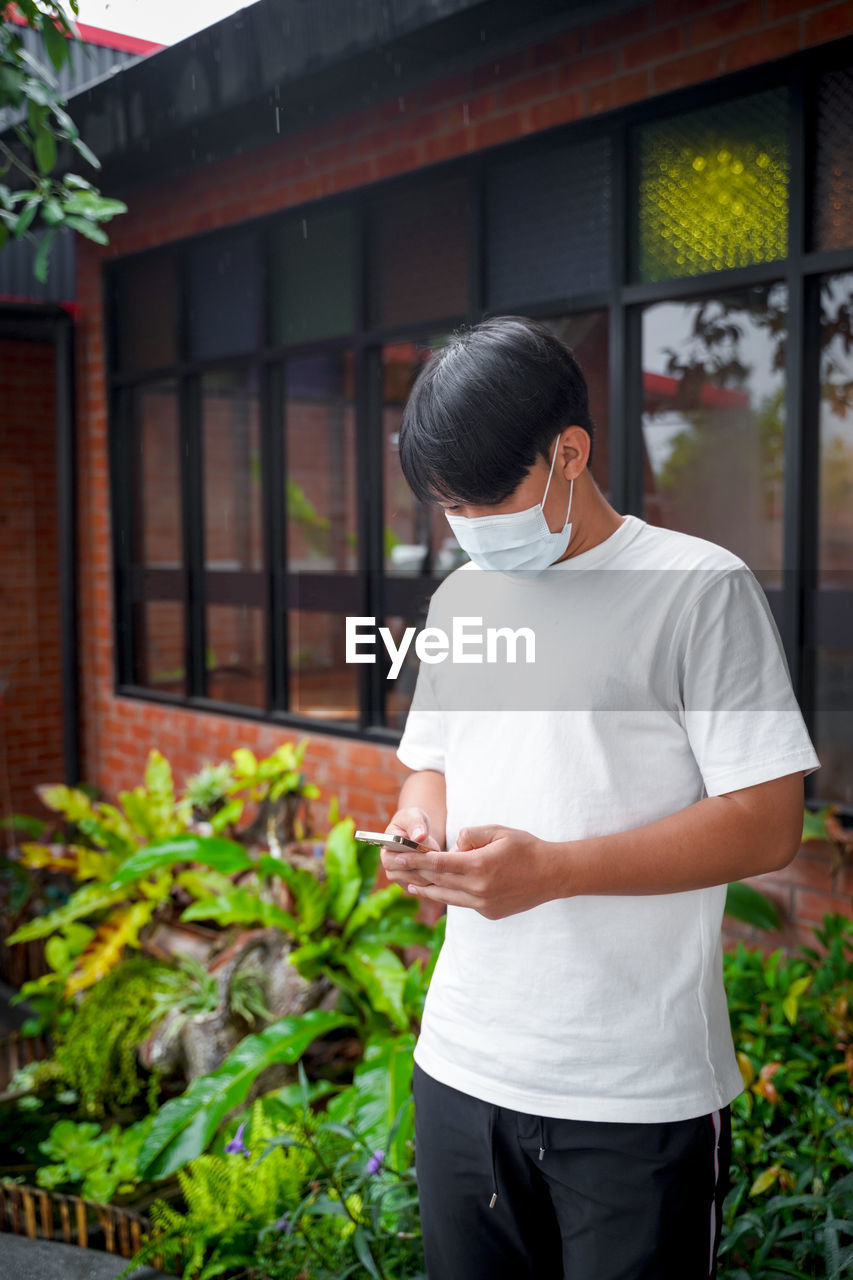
796,605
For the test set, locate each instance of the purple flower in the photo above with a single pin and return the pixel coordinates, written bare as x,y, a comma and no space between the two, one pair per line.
237,1147
283,1223
374,1164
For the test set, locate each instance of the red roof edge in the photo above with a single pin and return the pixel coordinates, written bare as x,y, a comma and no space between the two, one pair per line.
97,35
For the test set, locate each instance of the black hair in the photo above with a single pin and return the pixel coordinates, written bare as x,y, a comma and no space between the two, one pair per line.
485,406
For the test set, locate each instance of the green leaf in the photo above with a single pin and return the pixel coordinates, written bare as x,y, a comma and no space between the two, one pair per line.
211,851
381,1087
52,212
383,977
184,1127
744,902
88,229
241,906
32,827
85,902
44,149
308,894
25,218
814,824
42,255
57,45
80,146
373,907
342,870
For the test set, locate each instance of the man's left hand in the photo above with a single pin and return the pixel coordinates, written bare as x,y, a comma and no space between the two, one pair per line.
496,871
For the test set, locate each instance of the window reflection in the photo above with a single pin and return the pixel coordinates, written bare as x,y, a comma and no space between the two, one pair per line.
713,422
320,464
417,539
834,604
321,682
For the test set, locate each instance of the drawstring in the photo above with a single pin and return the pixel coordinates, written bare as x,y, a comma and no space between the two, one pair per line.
492,1111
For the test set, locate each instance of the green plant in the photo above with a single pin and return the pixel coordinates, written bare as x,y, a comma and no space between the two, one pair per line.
305,1195
53,1010
207,791
184,992
100,1163
96,1054
344,931
246,995
790,1207
29,87
149,831
185,1126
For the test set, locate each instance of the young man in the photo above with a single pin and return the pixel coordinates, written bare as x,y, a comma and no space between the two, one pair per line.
583,814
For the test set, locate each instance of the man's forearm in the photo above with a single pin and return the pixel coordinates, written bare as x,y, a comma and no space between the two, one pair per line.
714,841
425,790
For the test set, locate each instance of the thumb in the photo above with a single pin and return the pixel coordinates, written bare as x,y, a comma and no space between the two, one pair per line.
475,837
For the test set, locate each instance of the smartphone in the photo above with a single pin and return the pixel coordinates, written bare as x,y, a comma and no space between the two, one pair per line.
387,841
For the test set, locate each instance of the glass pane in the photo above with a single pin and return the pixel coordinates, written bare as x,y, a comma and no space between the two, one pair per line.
234,659
417,539
586,335
714,188
420,251
225,304
231,449
548,222
312,278
834,702
322,683
320,463
158,646
833,172
398,692
833,735
713,421
157,539
146,312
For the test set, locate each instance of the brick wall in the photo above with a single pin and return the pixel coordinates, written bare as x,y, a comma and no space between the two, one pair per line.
651,49
30,679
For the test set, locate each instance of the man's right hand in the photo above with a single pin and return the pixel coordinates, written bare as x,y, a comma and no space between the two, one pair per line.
414,823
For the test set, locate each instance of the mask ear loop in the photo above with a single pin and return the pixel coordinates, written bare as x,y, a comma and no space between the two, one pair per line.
571,486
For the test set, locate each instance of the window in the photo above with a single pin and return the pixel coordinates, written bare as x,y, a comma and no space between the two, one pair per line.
714,422
259,377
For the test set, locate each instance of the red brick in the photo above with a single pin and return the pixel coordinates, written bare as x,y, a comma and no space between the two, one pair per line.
557,49
445,147
653,48
829,24
810,905
617,93
693,68
808,871
620,28
722,24
530,89
498,70
788,8
595,66
501,129
750,51
566,106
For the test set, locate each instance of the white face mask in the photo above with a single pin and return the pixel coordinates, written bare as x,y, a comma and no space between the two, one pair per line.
514,539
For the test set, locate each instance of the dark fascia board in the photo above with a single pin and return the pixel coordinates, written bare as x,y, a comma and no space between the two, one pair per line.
280,66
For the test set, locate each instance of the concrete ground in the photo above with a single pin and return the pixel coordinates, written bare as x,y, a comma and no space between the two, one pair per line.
24,1259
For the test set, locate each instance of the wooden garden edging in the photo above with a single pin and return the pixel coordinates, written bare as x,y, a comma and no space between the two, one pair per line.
51,1215
19,1051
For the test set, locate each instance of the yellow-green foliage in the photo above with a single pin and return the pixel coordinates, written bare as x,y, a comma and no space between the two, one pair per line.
97,1054
229,1199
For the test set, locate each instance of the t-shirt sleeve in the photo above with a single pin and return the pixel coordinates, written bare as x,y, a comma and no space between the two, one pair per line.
738,705
422,743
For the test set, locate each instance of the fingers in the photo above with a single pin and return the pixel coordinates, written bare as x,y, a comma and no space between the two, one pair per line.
476,837
411,822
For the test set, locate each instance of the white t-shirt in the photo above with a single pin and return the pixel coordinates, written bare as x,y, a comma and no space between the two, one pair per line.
659,678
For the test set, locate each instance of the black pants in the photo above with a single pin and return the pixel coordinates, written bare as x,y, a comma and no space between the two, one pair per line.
606,1201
